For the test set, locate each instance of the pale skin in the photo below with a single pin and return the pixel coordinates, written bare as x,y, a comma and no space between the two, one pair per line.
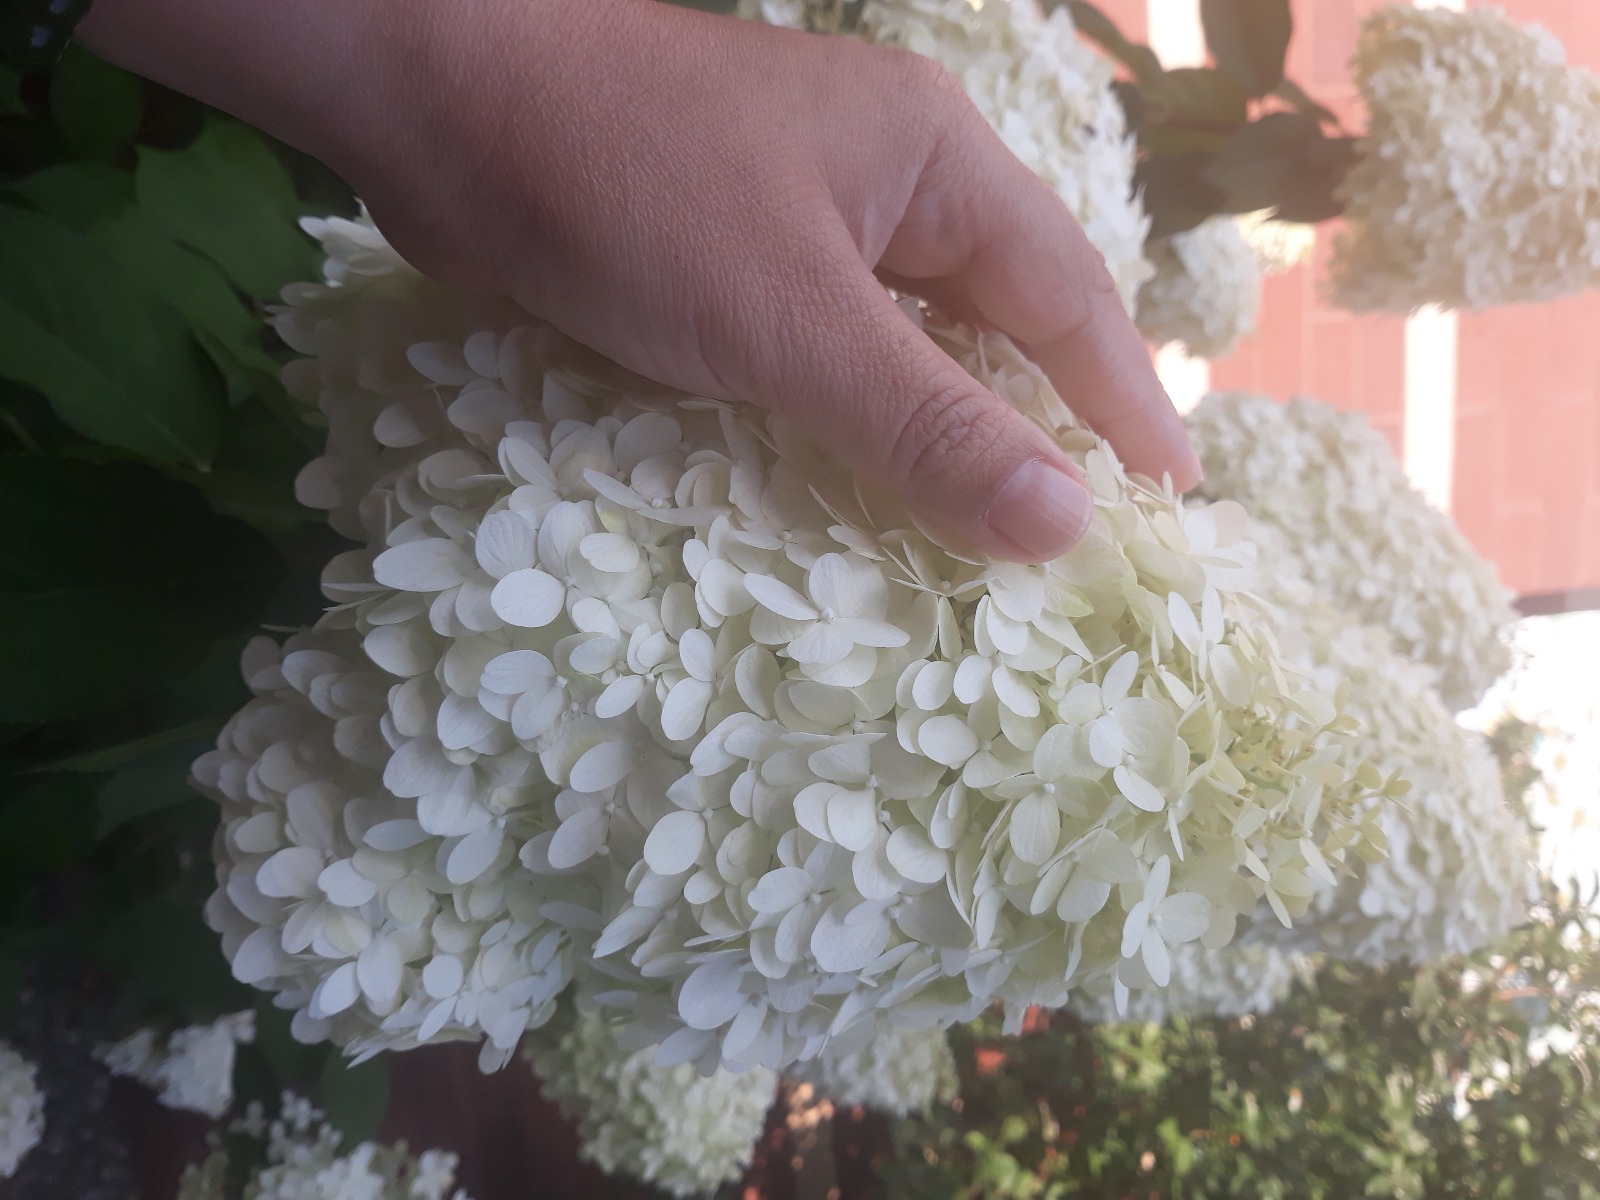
712,203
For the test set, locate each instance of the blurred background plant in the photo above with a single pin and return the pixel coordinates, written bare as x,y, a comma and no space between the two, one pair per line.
1471,1076
147,454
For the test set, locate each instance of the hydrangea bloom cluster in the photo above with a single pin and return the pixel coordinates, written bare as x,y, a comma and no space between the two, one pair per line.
1042,88
1240,978
331,891
1478,181
21,1109
1366,540
645,691
897,1072
1206,289
191,1068
1460,865
670,1126
303,1162
1280,246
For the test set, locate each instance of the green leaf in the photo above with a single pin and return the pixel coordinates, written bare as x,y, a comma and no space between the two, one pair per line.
1100,29
1192,108
97,107
1249,39
228,329
45,826
113,581
1259,164
166,958
354,1098
1176,194
1295,96
75,193
159,782
112,758
291,1063
227,196
1312,195
117,366
11,104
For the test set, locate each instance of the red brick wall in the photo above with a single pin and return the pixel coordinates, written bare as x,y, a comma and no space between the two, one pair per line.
1527,476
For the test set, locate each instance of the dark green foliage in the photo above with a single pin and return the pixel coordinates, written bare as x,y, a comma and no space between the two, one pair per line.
1249,39
1399,1082
1235,137
121,578
1470,1077
147,458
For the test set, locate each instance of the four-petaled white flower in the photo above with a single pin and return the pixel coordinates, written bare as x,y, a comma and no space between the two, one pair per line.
1157,920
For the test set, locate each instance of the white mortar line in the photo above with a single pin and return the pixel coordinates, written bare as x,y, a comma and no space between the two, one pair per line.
1430,385
1178,40
1430,397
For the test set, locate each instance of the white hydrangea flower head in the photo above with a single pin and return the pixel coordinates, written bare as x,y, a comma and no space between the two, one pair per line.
303,1162
1461,868
21,1109
670,1126
899,1071
378,933
1280,246
1478,180
1043,89
1367,541
1241,978
190,1069
1206,289
647,693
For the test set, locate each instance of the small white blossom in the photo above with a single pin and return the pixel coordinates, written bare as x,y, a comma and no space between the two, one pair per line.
1280,246
1239,978
1045,92
303,1163
190,1069
897,1072
1205,292
1366,540
1460,867
667,1125
1478,180
21,1109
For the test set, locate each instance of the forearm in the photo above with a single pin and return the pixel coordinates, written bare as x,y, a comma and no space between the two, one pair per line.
350,81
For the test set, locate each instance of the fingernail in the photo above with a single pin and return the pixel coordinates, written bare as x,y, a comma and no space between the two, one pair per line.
1041,510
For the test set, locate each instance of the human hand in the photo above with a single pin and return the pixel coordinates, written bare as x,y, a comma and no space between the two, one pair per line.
705,201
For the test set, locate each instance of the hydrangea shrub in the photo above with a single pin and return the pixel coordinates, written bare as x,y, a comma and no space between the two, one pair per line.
21,1109
1478,179
303,1162
668,1125
1241,978
1460,868
1366,540
1206,289
897,1072
190,1068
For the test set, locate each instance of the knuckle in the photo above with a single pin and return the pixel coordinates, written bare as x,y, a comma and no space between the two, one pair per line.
1064,308
955,425
922,87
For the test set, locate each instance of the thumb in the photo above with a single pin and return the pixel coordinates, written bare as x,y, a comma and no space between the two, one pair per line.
867,383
